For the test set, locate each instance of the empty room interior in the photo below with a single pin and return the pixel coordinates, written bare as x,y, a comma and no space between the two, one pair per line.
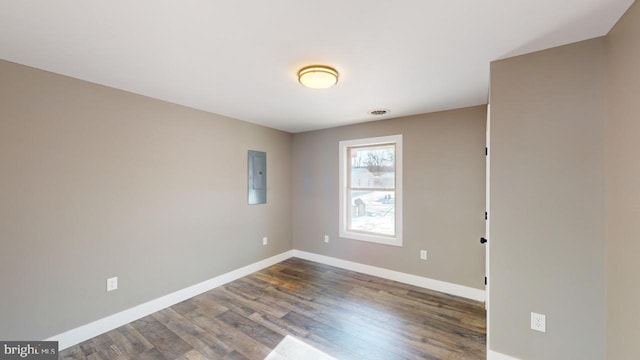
336,180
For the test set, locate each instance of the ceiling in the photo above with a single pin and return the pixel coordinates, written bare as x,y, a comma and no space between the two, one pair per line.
239,58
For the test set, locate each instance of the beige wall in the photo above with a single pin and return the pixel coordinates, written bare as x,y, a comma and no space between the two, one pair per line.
623,187
547,203
97,182
444,197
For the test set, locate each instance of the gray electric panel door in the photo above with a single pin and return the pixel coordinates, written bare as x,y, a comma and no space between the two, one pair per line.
257,177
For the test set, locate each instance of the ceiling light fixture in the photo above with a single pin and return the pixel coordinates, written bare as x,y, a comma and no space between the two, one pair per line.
318,76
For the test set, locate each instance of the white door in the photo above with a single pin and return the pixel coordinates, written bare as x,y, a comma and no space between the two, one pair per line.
488,202
488,221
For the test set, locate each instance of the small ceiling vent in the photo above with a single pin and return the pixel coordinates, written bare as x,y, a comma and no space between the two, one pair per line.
379,112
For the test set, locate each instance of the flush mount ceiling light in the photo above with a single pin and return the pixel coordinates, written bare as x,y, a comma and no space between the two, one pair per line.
318,76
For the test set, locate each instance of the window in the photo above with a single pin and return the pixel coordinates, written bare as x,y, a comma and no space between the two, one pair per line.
371,189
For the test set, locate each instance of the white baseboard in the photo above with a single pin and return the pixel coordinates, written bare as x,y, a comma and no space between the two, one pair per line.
437,285
492,355
95,328
88,331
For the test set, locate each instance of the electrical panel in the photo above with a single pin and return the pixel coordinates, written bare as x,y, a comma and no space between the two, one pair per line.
257,177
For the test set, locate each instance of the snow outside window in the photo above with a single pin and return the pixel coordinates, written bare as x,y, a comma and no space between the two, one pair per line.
371,189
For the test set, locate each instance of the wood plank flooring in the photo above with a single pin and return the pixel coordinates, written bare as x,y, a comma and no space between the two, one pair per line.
345,314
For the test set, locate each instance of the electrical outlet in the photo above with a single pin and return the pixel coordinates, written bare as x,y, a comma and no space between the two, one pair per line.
112,283
423,254
326,238
538,322
265,240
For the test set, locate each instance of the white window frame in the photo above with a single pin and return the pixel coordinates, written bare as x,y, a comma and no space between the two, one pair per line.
345,205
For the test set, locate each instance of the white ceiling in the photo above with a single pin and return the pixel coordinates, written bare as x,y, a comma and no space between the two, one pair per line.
239,58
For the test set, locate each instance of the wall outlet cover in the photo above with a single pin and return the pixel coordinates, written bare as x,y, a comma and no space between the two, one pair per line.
326,238
538,322
265,240
112,283
423,254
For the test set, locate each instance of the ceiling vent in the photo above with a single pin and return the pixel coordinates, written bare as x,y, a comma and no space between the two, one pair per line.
379,112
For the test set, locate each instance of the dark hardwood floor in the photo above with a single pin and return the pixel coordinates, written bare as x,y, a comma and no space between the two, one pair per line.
345,314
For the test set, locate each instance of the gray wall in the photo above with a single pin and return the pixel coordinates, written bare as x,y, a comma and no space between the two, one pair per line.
623,187
547,202
444,196
97,182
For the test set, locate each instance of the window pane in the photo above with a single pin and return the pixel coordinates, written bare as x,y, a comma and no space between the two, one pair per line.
372,211
372,167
